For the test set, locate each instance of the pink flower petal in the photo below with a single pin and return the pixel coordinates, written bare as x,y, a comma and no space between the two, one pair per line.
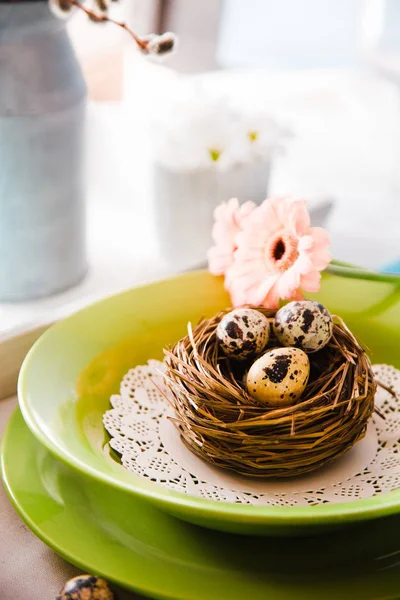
242,290
288,283
320,238
311,282
246,254
228,222
263,289
320,259
306,243
299,219
268,216
238,298
243,213
303,263
218,261
246,270
297,295
271,300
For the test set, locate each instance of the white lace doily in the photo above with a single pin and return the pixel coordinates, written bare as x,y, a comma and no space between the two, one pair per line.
149,445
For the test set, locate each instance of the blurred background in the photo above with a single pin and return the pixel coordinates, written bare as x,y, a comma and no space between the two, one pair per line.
329,70
327,73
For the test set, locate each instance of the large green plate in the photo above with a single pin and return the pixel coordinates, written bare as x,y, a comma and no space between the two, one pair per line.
68,376
130,542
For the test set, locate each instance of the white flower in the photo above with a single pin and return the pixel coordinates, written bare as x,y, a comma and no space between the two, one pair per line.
263,134
197,130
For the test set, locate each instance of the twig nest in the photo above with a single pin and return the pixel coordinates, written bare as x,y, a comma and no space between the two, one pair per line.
305,324
243,332
279,377
86,587
220,421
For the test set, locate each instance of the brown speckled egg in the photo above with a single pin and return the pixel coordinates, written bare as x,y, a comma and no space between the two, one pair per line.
279,376
86,587
243,332
305,324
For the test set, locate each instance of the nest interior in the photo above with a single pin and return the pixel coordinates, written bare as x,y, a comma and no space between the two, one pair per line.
222,424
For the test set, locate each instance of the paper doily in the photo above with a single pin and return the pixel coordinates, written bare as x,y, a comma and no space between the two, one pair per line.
150,446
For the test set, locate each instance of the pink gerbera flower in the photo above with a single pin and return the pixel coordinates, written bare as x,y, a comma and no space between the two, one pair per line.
229,220
278,254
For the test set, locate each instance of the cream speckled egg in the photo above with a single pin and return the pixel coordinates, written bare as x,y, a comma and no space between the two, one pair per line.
86,587
279,376
243,332
305,324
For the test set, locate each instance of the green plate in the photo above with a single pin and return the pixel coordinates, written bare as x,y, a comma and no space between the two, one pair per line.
68,376
132,543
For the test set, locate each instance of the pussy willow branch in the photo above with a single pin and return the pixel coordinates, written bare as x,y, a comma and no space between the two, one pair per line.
101,17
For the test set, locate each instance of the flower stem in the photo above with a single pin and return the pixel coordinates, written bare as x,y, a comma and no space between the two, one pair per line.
343,270
101,17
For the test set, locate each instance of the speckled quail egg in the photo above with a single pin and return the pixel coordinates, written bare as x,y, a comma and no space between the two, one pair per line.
279,376
86,587
243,332
305,324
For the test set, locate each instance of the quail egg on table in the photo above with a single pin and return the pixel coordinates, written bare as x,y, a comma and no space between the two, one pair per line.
86,587
305,324
279,376
243,332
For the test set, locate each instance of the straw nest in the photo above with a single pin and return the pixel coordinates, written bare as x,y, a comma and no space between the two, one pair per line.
222,424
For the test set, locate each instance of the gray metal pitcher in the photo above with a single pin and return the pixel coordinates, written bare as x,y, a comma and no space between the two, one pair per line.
42,188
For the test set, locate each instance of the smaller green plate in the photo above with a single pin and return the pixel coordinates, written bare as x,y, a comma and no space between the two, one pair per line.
130,542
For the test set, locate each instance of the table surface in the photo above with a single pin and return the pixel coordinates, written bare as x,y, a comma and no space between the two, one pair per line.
28,568
353,116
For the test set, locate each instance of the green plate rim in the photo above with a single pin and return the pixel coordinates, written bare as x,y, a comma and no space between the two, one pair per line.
356,510
46,539
94,563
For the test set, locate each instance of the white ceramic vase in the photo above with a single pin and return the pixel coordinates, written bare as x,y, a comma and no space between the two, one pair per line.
184,203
